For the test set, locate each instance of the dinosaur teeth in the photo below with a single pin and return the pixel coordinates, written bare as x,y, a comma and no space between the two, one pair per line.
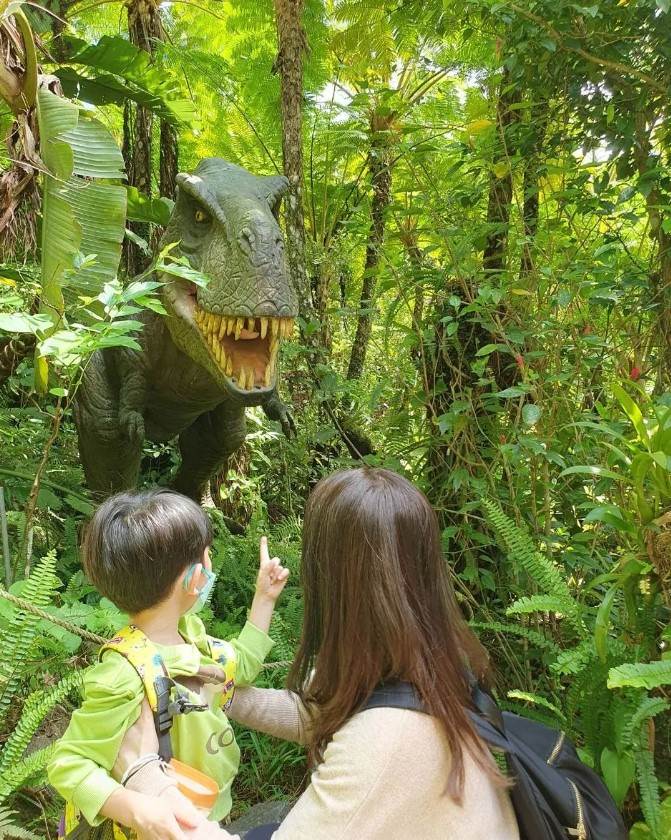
241,366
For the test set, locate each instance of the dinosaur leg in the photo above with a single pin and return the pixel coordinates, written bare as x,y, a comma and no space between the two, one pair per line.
206,445
111,460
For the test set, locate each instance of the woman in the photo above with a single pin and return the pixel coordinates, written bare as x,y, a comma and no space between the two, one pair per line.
379,607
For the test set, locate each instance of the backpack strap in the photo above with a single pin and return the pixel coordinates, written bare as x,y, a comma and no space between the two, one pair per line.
134,646
395,695
223,653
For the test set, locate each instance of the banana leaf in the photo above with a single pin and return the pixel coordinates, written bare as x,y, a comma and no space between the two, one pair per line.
82,212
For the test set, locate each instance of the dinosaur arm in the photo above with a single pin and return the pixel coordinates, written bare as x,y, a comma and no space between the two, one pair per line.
132,393
275,409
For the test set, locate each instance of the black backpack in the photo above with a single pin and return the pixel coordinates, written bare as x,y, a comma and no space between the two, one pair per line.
555,795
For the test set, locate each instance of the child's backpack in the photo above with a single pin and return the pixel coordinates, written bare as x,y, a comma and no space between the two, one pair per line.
132,643
555,795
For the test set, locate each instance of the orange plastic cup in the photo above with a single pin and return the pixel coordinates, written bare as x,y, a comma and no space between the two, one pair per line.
201,790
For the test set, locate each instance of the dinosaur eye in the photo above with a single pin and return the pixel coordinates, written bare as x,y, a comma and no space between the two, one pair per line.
201,216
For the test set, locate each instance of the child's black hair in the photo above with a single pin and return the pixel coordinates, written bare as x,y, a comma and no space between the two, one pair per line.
138,544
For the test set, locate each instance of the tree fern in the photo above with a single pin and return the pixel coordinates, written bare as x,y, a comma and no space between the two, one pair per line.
545,574
17,638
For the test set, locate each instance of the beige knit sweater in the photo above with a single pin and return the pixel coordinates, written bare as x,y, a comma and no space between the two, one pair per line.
382,778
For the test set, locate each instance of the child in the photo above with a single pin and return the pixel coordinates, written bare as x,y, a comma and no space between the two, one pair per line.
148,553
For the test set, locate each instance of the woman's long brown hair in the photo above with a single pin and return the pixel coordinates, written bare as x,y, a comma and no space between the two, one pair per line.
379,605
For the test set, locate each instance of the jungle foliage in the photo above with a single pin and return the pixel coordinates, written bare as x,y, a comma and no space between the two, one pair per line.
481,236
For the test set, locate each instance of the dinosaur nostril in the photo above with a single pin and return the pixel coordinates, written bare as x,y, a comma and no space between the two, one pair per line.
246,240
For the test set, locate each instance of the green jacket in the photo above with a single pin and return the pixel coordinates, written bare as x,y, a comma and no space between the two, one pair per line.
113,694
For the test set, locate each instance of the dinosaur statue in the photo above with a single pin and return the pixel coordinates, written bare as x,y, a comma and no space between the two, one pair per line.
213,354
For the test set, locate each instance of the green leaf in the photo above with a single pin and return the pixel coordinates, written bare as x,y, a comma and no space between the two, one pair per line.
144,82
633,412
80,214
183,270
640,675
594,471
537,700
79,504
531,414
602,624
661,459
664,5
22,322
142,208
491,348
612,515
514,391
619,771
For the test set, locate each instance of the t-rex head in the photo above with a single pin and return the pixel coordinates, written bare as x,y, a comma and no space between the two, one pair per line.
225,221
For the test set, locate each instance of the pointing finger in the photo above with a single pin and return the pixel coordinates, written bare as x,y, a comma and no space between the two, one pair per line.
264,557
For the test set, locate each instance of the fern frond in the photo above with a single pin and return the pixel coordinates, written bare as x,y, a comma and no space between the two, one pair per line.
542,603
648,708
9,829
573,661
522,551
641,675
648,786
538,700
17,638
36,708
533,636
32,767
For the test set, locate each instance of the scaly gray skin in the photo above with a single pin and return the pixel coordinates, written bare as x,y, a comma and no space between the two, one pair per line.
225,220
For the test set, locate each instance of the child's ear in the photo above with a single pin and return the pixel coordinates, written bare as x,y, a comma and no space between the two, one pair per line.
191,579
207,563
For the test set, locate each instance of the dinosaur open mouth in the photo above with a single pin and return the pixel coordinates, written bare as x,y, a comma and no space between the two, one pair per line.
245,349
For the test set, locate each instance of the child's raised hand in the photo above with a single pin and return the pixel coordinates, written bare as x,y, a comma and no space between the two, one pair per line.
272,577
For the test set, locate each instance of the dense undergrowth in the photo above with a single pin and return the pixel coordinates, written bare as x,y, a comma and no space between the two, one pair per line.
485,307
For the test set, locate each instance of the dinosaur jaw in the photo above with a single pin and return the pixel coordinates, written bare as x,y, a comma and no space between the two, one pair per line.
244,349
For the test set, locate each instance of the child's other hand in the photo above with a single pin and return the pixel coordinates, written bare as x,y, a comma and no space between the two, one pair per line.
152,820
272,576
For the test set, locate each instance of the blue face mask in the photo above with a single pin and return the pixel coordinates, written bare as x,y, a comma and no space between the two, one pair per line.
204,592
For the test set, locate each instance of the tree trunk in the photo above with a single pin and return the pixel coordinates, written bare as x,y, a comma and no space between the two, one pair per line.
169,160
291,44
380,177
144,28
501,188
19,195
